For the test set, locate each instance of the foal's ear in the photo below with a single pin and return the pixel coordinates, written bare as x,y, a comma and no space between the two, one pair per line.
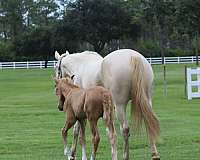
66,75
55,79
57,55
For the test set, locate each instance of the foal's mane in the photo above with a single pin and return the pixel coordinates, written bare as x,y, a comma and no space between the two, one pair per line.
70,84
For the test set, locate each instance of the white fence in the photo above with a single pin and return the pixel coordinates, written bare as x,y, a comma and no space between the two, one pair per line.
27,64
173,60
51,64
193,83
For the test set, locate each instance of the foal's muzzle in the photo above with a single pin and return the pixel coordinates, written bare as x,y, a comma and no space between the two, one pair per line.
61,102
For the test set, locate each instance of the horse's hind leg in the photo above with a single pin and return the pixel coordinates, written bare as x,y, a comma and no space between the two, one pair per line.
154,152
82,139
120,109
95,138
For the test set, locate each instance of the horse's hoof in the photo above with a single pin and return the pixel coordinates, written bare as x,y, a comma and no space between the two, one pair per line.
155,157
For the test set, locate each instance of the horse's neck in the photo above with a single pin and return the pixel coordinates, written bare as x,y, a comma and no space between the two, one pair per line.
88,73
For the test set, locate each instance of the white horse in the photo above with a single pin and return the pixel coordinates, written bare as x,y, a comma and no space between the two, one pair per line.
128,75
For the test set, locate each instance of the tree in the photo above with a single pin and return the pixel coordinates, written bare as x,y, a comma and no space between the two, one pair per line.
97,21
158,14
188,20
11,16
45,12
35,44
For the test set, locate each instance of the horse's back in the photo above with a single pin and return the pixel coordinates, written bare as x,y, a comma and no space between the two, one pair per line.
120,59
117,73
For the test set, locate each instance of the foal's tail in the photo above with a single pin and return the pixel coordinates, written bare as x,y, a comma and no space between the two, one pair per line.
108,108
141,97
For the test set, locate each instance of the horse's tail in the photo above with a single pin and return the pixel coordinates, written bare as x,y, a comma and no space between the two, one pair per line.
108,108
141,98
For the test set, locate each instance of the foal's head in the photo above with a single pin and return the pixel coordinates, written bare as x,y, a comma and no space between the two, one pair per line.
62,87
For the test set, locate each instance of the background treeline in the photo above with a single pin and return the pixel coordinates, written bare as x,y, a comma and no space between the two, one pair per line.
34,29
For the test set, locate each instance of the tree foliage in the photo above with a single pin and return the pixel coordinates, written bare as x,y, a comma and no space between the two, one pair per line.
34,29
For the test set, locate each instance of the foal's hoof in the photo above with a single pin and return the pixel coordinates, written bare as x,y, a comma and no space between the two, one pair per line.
155,157
71,158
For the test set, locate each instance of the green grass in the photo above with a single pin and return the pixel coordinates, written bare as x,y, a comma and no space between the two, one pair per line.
30,122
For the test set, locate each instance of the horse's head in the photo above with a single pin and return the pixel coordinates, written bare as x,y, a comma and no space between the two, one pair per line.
58,67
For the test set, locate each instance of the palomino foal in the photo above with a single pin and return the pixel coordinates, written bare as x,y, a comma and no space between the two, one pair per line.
81,104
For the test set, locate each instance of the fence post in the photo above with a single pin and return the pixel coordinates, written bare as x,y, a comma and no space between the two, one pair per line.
198,79
1,66
165,81
40,64
14,65
185,81
27,65
178,60
189,87
54,64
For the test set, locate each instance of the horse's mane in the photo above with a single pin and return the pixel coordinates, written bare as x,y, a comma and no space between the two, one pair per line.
89,52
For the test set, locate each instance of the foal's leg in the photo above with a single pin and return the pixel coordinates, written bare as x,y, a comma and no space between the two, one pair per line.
121,114
68,124
95,138
75,138
82,139
113,138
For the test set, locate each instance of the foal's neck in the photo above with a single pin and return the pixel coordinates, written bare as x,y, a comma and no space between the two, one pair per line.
68,88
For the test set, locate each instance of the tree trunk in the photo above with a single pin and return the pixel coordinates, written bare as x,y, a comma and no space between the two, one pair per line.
196,48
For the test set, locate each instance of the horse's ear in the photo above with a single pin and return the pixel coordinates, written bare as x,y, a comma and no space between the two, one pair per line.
57,55
72,77
67,53
66,75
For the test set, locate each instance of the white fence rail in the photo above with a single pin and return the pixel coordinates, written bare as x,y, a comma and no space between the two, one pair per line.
27,64
193,83
51,64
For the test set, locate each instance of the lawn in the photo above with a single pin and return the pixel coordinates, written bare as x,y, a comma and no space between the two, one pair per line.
30,122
